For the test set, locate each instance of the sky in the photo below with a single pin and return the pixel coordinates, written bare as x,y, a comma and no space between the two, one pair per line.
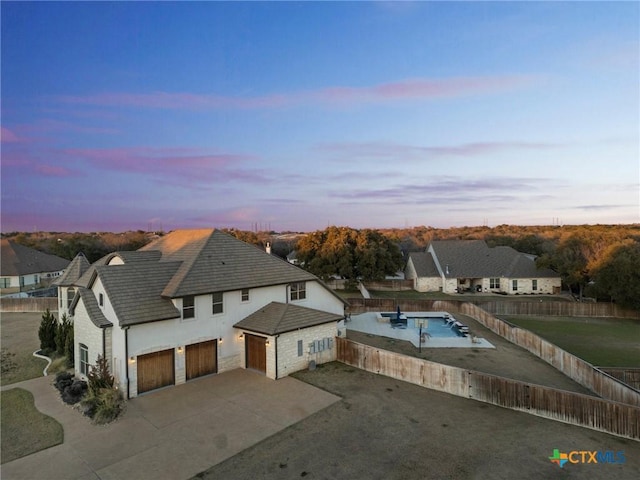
293,116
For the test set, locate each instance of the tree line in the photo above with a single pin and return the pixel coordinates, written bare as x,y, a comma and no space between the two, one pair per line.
601,261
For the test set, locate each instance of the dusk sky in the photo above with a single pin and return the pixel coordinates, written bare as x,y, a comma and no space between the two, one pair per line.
296,116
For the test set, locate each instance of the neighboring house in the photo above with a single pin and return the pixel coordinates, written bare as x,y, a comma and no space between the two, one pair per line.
452,266
23,268
197,302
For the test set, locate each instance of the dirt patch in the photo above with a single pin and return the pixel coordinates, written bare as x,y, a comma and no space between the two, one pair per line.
506,360
386,429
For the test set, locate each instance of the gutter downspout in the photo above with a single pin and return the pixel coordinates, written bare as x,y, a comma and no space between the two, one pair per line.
275,344
126,357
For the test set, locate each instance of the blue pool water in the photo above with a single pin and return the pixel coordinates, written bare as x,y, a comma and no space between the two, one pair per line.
436,326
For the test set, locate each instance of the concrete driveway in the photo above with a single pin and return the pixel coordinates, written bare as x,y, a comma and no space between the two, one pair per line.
173,433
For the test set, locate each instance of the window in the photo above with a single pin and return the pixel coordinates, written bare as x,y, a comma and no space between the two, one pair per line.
71,292
299,348
298,291
217,303
84,359
101,299
534,284
245,295
5,282
514,284
188,307
494,283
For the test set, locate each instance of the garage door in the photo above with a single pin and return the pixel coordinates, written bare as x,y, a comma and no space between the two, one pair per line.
155,370
256,352
201,359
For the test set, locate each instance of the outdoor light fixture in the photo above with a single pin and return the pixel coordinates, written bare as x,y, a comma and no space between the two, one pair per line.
267,343
132,359
241,335
180,350
220,340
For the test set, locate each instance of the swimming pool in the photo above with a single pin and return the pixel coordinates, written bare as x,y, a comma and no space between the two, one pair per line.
437,333
436,326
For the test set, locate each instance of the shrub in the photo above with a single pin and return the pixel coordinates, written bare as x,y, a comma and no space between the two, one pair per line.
108,407
99,376
47,332
71,389
64,331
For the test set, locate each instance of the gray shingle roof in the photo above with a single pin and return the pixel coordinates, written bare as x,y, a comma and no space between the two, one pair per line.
16,260
424,264
277,317
135,291
93,309
474,259
78,266
185,262
214,261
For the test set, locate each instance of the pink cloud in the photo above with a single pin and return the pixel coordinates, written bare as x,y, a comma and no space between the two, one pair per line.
410,89
54,171
7,136
171,165
393,150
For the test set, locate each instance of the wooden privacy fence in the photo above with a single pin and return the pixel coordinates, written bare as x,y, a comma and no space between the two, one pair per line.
569,407
630,376
26,305
575,368
504,307
557,309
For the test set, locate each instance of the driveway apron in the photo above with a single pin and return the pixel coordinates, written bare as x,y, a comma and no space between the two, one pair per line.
173,433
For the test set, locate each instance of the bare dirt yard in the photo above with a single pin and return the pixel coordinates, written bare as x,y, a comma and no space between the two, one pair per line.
386,429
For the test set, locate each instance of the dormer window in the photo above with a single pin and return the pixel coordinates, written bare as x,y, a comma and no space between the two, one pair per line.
101,299
298,291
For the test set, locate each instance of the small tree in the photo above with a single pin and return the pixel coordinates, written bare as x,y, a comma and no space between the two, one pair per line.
63,329
69,347
47,332
99,376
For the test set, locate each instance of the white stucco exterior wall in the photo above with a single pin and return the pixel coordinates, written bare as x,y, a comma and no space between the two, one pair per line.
85,332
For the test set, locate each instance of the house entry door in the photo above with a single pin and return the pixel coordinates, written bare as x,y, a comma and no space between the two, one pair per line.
256,352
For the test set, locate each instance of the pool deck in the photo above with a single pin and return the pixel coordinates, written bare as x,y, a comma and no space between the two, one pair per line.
368,323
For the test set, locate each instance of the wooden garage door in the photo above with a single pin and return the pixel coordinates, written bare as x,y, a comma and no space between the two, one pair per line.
256,352
201,359
155,370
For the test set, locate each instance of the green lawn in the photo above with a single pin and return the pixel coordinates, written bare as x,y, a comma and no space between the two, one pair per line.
25,430
605,342
19,366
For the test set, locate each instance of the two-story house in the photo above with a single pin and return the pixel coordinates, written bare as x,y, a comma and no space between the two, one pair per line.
197,302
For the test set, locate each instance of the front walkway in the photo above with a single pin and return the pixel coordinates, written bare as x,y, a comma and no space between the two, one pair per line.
173,433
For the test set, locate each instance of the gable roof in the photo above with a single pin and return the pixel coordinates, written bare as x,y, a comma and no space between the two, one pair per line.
276,318
78,266
474,259
135,291
423,264
91,305
213,261
17,260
